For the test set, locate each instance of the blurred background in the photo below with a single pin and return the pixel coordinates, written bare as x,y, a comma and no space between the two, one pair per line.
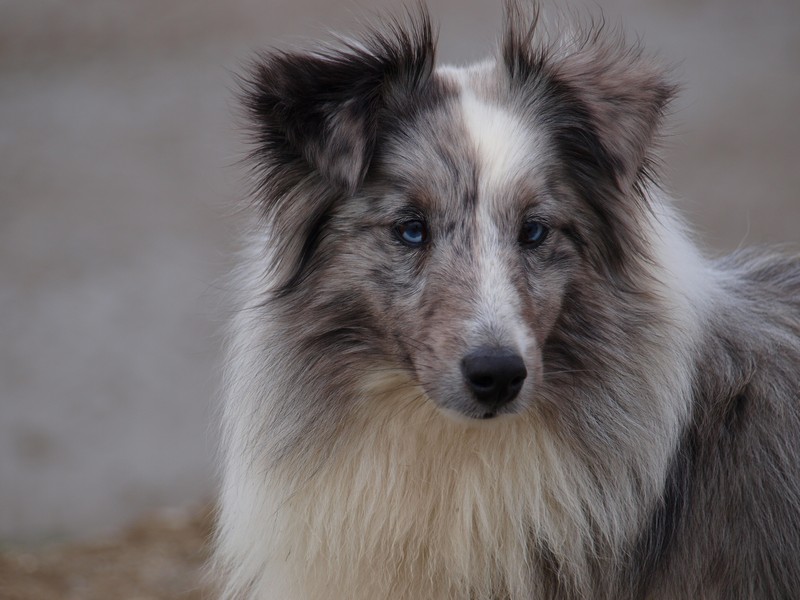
118,182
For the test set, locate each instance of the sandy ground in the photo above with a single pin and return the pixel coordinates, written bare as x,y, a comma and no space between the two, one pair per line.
160,557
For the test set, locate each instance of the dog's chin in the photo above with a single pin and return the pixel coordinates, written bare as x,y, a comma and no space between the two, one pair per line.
479,417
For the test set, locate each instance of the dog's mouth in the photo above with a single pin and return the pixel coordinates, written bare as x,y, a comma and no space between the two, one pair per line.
475,417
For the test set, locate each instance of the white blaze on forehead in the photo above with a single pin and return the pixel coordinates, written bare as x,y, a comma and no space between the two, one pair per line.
504,149
503,144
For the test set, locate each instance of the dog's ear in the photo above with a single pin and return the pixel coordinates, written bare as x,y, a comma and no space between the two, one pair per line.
318,111
595,89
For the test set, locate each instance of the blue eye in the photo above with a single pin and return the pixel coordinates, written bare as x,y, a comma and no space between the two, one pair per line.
412,233
533,233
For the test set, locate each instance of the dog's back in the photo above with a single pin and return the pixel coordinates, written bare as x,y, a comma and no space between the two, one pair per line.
731,516
478,357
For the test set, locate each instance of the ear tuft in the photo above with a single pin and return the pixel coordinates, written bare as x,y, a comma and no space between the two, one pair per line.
521,56
317,111
590,78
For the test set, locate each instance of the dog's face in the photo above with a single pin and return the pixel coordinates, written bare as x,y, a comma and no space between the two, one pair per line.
444,222
461,246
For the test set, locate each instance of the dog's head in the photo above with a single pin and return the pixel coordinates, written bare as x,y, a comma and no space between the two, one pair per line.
471,227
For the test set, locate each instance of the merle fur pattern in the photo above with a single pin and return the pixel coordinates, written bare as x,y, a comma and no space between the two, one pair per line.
654,449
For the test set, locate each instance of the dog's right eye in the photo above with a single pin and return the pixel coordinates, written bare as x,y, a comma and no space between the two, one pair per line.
412,233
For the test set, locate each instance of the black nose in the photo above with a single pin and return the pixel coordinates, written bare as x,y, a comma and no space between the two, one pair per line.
494,375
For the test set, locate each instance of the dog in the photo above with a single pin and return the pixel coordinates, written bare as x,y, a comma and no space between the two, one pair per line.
477,356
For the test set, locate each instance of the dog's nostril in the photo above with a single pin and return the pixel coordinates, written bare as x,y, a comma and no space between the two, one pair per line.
482,382
494,375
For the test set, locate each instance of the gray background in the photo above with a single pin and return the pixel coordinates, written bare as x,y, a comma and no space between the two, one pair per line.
118,182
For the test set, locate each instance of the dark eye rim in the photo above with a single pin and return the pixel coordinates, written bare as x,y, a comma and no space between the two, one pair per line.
399,230
532,244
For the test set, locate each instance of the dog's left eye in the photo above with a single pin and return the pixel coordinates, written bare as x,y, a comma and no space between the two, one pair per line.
533,233
412,233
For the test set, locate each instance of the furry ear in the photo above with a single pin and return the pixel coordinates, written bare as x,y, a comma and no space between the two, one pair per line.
597,88
318,111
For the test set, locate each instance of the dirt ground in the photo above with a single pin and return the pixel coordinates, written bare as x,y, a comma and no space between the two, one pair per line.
161,557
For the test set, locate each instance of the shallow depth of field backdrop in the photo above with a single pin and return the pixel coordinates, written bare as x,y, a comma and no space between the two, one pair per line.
118,179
